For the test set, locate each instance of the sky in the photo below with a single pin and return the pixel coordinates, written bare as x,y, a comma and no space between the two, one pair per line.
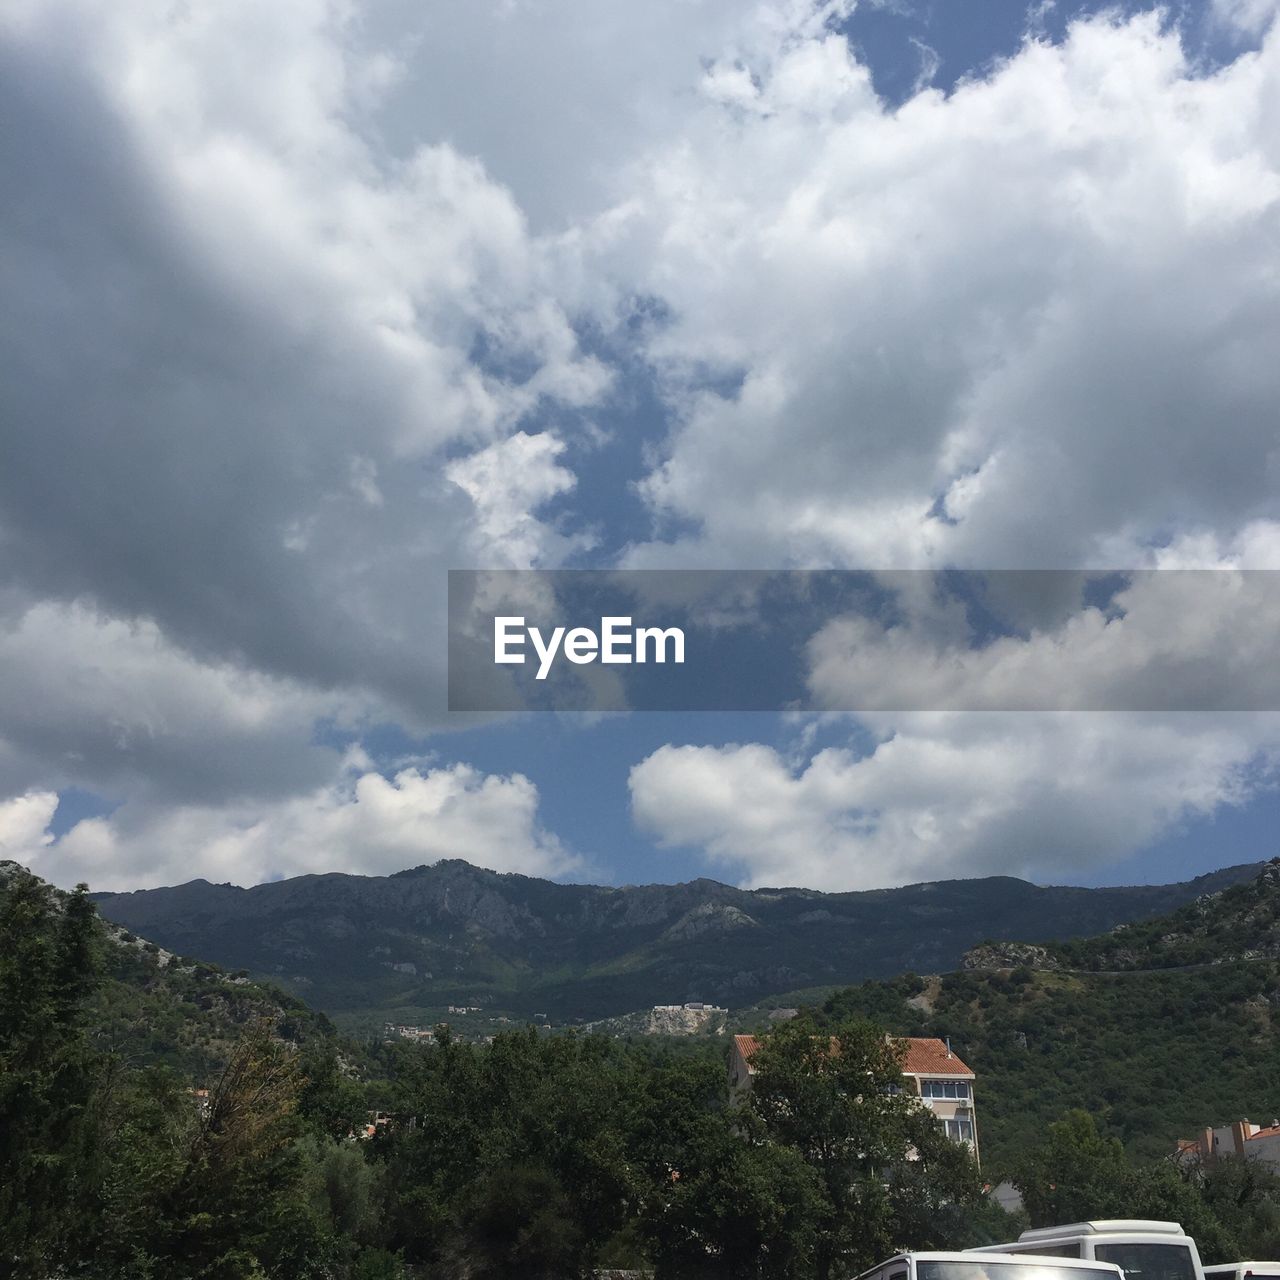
307,303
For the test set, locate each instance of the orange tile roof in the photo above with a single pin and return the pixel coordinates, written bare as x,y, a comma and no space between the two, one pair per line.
928,1057
925,1056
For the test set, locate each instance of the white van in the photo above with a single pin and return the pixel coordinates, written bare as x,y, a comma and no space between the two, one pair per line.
1144,1250
978,1264
1243,1271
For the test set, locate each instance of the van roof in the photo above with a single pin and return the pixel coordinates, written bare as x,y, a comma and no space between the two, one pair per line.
980,1255
1105,1227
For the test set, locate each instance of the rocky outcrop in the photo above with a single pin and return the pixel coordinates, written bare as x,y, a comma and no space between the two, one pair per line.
1010,955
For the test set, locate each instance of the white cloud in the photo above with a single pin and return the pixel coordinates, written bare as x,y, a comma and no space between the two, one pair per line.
359,822
941,797
23,823
288,315
507,482
1251,16
1023,325
1181,640
243,341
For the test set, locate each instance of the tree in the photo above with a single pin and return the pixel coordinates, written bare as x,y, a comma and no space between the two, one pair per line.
1074,1175
885,1168
48,1071
238,1207
1244,1195
1077,1174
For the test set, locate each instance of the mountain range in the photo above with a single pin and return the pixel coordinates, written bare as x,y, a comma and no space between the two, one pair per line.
409,945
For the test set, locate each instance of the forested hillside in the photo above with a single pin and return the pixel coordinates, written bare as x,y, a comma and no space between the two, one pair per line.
153,1007
1117,1025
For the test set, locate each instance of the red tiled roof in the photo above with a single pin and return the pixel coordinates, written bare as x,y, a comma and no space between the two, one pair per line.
1273,1131
925,1057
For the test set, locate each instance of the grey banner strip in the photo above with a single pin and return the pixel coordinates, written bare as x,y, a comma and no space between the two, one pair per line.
835,640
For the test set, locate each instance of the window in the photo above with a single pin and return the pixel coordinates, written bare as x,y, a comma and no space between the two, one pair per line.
1149,1261
957,1270
962,1130
944,1088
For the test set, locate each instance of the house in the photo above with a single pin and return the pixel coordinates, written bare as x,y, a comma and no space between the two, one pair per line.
394,1030
941,1081
1248,1141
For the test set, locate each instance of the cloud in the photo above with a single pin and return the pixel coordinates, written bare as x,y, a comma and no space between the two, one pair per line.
359,822
97,702
240,346
948,796
294,304
1179,640
1250,16
990,328
506,482
23,823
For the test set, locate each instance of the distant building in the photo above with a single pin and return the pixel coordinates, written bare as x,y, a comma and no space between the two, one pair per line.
939,1078
1248,1141
399,1031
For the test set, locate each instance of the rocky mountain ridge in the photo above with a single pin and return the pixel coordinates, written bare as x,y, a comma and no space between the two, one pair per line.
415,942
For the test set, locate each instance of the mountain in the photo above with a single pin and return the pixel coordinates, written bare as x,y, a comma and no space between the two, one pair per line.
411,944
156,1007
1157,1028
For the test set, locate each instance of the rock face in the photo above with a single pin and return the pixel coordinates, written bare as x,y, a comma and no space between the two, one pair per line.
1010,955
456,934
1240,922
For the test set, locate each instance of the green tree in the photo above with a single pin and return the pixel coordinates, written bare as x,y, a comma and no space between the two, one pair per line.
48,1071
884,1166
1075,1174
237,1208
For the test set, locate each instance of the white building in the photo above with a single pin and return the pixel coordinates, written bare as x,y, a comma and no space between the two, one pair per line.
1248,1141
939,1078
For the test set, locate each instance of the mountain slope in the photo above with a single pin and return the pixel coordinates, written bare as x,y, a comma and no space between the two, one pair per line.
1158,1029
156,1007
451,933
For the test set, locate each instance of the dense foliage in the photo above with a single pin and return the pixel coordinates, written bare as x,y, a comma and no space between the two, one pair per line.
541,1156
1231,1208
1155,1029
532,1156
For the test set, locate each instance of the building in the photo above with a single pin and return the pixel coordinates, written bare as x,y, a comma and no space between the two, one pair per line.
394,1031
1248,1141
941,1081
